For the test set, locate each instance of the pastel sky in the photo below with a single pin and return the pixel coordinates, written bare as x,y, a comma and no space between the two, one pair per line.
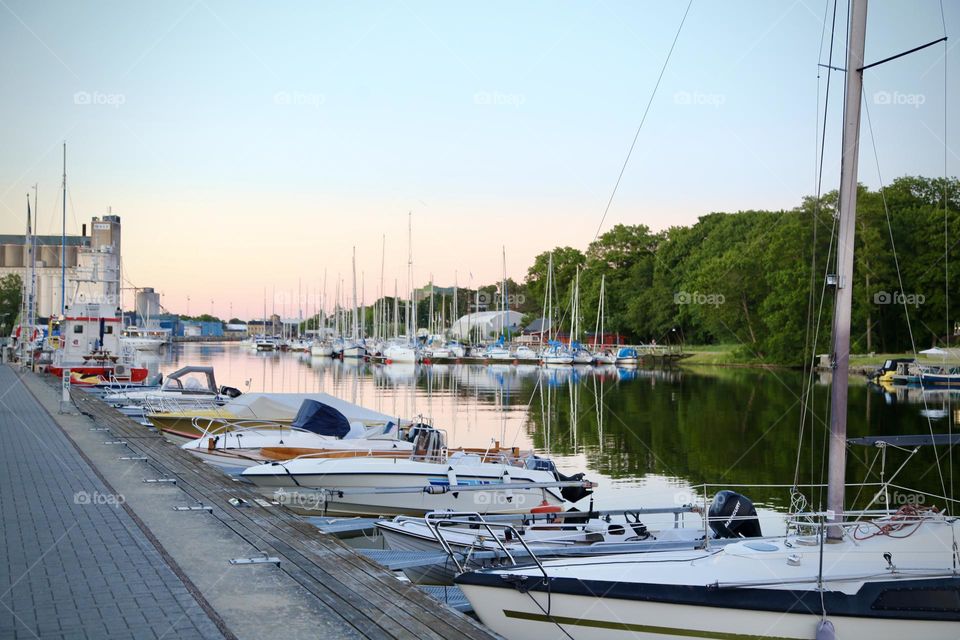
248,146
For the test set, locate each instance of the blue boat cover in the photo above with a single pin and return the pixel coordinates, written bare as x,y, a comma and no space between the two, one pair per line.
321,419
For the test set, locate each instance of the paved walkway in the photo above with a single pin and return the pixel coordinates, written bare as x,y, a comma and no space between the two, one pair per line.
73,563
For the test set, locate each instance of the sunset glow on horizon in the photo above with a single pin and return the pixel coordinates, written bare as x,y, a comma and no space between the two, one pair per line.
249,147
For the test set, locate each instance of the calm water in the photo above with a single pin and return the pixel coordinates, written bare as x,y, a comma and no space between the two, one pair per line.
646,436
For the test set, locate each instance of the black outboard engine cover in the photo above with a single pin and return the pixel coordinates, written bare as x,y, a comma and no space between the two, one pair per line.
572,494
733,516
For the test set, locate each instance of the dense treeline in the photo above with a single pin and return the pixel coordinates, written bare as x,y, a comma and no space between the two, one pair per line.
746,278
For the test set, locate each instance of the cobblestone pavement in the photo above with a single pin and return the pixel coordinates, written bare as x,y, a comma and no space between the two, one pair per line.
73,563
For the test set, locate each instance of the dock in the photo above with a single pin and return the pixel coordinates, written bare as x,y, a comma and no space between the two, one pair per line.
112,530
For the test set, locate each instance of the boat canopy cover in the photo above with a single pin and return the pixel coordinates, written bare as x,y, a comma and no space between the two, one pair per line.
284,406
321,419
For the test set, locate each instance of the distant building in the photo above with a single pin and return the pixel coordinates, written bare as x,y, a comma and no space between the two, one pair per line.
271,327
235,328
147,305
15,258
193,328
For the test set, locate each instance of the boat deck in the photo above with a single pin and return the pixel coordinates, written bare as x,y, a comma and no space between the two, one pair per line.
257,567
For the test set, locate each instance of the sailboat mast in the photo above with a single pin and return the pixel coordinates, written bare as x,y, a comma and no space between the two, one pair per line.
63,239
354,305
845,243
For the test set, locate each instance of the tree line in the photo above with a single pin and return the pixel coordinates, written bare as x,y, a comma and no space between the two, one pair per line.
757,278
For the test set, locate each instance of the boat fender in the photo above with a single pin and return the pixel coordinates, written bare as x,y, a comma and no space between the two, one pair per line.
546,507
825,630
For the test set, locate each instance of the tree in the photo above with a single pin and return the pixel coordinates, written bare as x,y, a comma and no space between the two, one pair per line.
11,297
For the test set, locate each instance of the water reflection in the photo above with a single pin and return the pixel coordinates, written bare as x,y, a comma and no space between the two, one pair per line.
646,435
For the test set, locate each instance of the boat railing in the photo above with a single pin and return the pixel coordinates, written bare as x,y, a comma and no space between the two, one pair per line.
435,526
218,426
165,404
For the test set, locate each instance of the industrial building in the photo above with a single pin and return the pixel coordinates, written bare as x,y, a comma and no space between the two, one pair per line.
52,251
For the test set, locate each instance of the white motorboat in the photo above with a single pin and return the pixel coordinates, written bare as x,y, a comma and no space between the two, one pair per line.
187,385
139,340
318,429
627,357
429,480
474,541
266,343
302,346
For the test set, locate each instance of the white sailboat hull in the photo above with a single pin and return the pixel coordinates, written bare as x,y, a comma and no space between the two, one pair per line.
354,351
521,616
321,350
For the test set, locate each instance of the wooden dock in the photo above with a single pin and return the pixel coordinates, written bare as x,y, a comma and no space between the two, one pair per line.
367,597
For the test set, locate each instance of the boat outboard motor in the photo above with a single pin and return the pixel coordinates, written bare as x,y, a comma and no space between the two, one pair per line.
732,515
572,494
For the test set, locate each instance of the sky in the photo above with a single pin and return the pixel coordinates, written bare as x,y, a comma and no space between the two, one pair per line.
250,146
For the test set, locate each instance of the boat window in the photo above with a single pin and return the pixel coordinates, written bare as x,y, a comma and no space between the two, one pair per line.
78,328
108,329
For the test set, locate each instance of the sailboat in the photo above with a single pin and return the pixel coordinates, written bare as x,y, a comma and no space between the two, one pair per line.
842,574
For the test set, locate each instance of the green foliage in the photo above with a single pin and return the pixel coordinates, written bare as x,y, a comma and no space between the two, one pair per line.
11,297
755,278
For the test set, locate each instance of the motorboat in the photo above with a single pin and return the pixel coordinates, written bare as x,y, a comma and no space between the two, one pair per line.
474,541
318,428
254,409
192,387
431,479
139,340
627,357
299,345
266,343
